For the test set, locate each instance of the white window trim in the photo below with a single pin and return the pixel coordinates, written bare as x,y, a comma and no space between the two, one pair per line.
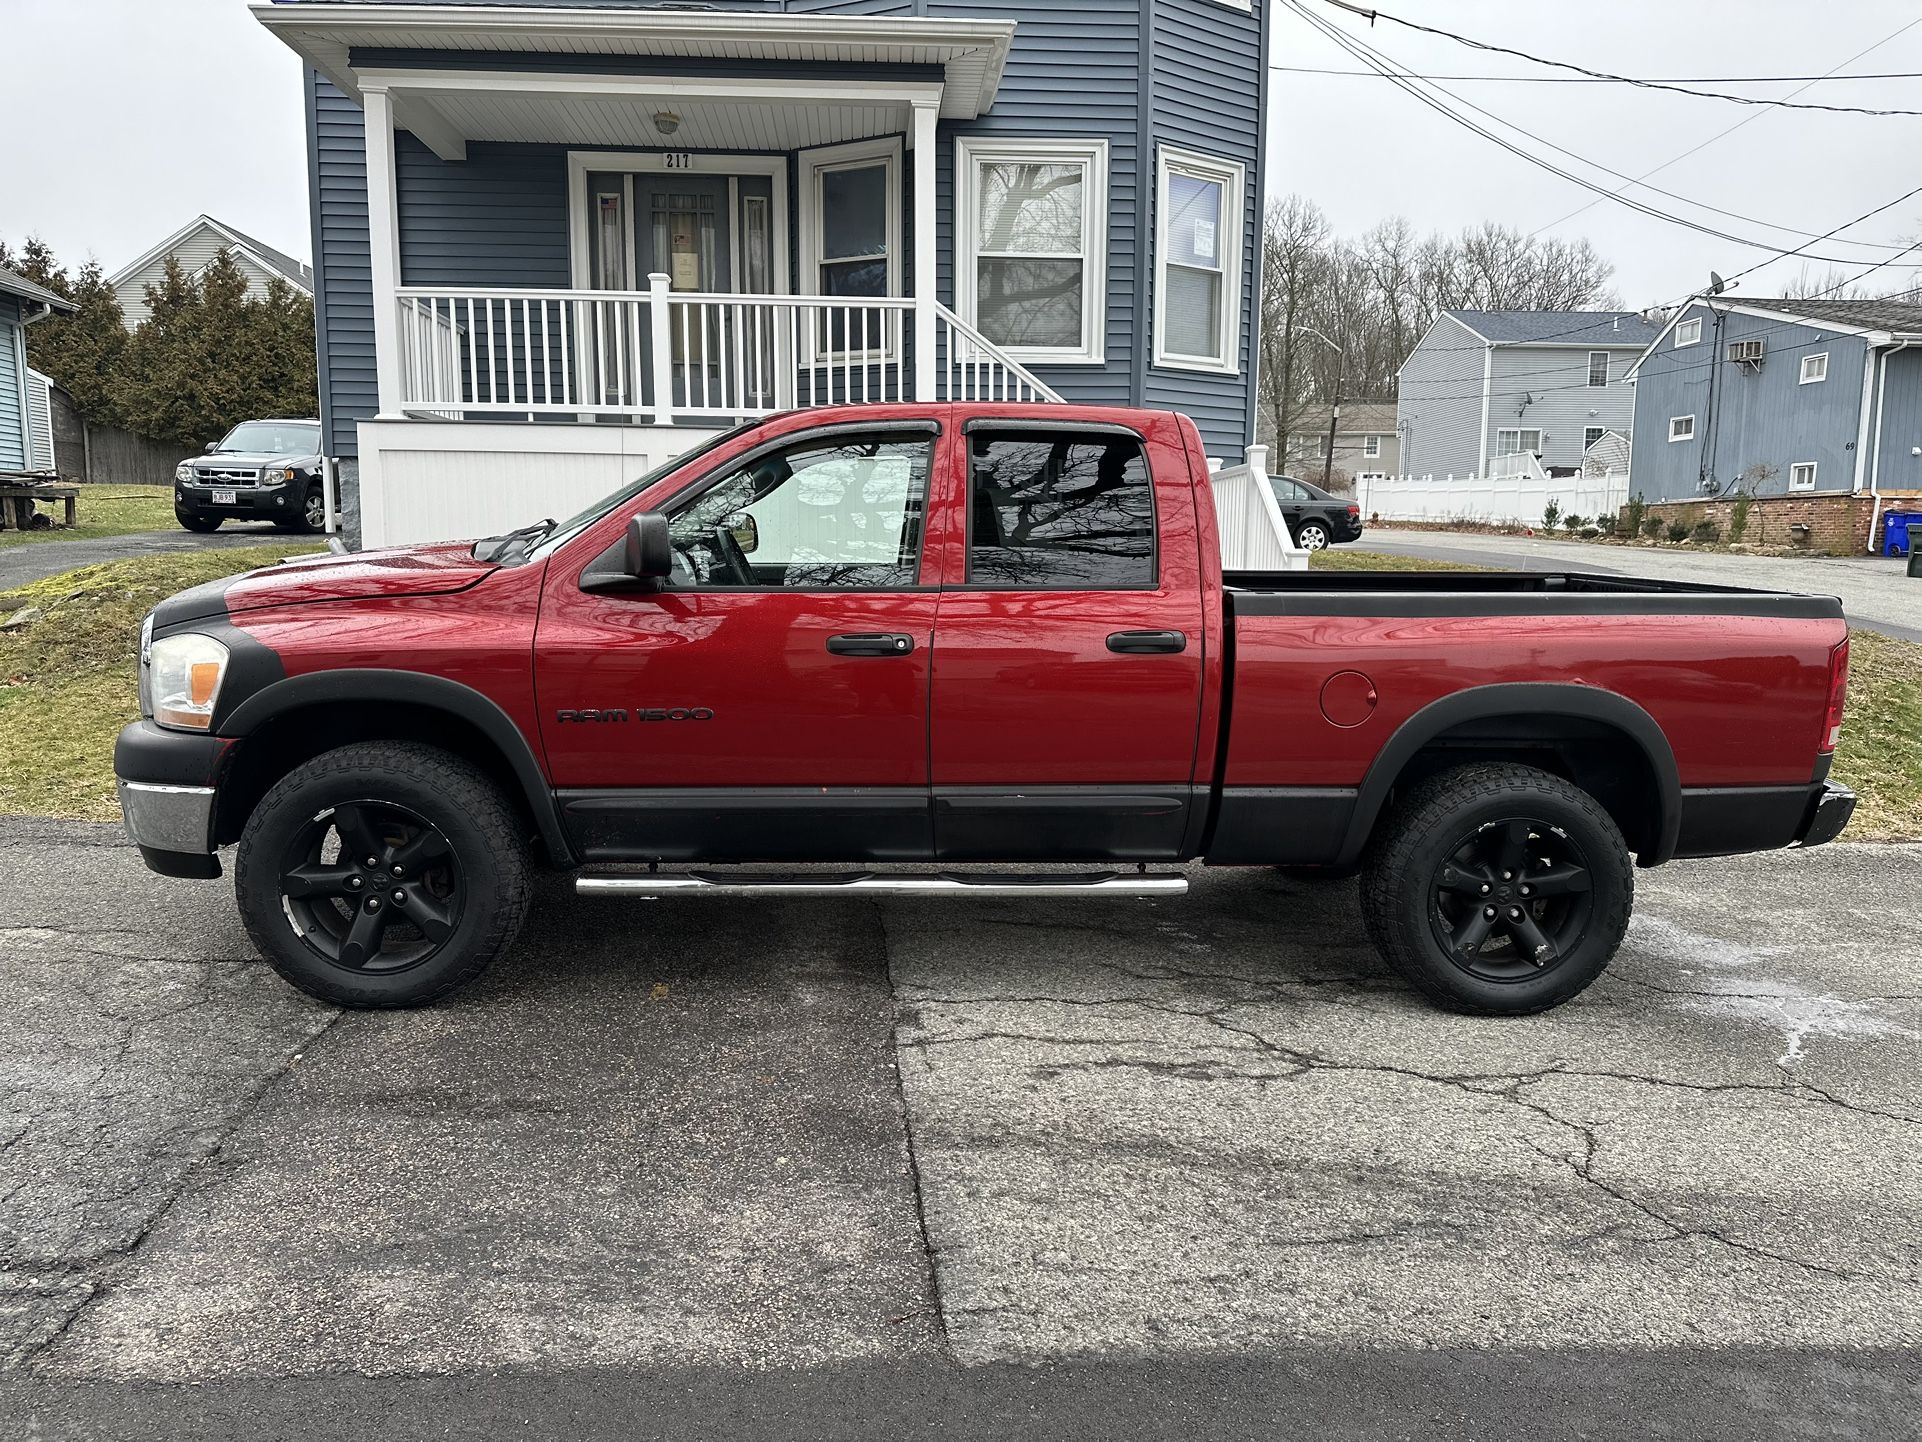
812,165
1810,467
1601,433
973,151
1674,421
1233,179
1371,447
1518,432
1692,328
1593,384
1807,361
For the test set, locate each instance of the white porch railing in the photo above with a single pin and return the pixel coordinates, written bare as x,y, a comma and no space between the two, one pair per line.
1254,537
667,356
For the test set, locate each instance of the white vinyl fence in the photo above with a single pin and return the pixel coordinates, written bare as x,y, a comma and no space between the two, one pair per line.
1253,535
1516,492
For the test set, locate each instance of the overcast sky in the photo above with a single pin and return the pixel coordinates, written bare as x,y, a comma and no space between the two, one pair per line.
126,118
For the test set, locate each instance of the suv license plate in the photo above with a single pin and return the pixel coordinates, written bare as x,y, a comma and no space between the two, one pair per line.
223,498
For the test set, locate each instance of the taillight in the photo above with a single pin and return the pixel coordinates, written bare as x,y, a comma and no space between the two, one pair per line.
1354,510
1838,696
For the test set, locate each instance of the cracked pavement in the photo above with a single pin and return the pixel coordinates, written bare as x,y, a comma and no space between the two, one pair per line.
840,1168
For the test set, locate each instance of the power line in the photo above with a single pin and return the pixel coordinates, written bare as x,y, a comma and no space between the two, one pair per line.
1808,236
1730,130
1610,80
1678,89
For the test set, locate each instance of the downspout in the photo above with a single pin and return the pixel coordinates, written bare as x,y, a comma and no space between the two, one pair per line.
1881,425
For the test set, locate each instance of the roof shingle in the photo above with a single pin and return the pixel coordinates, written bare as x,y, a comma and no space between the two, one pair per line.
1559,327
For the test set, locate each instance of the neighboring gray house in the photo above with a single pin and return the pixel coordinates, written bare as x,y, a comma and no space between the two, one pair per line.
610,229
1781,398
1488,383
22,401
193,247
1366,442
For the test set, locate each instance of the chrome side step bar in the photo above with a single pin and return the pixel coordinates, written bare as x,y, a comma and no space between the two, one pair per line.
869,883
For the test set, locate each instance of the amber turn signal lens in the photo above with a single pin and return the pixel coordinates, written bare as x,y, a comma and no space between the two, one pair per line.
202,678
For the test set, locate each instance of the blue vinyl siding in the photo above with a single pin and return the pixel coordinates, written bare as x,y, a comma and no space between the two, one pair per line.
1899,425
13,416
1207,72
1747,422
1190,74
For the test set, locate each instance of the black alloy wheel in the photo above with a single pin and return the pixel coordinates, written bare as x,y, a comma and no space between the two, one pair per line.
372,887
1512,899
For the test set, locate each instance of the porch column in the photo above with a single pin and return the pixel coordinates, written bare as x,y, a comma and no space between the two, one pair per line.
926,327
383,238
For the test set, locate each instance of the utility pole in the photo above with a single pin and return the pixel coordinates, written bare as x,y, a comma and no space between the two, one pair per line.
1334,410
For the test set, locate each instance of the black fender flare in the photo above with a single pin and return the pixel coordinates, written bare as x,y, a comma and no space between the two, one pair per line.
1545,698
416,688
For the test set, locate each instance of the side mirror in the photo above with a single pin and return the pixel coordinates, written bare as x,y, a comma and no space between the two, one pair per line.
211,447
747,532
648,551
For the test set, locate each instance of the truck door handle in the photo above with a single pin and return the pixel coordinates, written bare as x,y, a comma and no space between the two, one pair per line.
1148,643
871,643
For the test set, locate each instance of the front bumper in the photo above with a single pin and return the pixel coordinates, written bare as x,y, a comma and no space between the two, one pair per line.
168,783
253,503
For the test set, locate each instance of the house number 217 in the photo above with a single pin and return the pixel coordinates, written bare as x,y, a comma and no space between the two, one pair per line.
679,160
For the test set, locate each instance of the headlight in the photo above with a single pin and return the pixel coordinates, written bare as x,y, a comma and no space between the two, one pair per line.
145,666
184,471
183,675
275,475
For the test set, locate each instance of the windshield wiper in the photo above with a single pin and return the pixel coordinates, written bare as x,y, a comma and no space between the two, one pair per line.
496,547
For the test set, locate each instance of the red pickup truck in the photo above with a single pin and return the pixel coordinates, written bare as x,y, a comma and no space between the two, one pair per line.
980,636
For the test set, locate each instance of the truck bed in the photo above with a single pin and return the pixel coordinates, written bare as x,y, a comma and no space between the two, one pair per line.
1503,593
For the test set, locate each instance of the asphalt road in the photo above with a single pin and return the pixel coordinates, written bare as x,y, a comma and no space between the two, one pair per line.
35,560
1013,1168
1875,593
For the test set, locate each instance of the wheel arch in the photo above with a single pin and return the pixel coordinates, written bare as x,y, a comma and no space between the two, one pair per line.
292,720
1598,739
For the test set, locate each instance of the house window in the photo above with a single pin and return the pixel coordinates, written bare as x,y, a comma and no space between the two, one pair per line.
1055,509
1198,261
1512,441
1598,367
1815,367
1371,447
1032,275
851,237
1802,476
1688,332
1681,428
1592,434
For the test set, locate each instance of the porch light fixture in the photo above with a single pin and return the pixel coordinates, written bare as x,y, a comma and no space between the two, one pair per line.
666,121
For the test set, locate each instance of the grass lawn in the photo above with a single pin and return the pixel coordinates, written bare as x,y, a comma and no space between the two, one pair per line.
67,686
105,511
67,681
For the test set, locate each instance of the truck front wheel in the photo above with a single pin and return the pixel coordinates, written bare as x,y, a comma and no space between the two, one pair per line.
385,874
1498,890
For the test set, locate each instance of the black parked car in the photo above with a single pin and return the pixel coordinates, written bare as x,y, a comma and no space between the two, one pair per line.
261,471
1315,519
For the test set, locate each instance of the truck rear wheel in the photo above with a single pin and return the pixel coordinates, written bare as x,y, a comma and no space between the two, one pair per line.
386,874
1498,890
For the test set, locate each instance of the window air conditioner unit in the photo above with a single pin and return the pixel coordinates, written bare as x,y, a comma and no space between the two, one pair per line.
1747,352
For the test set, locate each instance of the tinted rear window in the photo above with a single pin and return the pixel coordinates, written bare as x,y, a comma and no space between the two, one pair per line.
1059,510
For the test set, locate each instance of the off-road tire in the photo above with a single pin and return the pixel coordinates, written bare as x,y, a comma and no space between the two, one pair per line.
469,812
1401,902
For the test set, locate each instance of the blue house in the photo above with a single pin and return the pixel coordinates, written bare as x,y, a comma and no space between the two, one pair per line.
1812,407
21,304
556,246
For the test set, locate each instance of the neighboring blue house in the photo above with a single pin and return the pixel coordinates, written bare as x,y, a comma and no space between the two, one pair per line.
612,233
1484,384
1789,400
21,304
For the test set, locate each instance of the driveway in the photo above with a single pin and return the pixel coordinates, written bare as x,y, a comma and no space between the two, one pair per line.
829,1168
1875,593
36,560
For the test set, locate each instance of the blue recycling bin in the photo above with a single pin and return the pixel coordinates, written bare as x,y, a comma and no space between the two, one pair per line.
1897,539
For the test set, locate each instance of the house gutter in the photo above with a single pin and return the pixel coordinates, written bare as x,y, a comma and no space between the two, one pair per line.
1875,467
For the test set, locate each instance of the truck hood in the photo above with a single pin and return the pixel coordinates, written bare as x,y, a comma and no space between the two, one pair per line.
365,575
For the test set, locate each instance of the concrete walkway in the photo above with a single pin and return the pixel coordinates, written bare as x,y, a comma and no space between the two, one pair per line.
1875,593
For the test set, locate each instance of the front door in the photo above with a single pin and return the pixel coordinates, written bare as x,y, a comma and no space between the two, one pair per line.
772,702
1068,669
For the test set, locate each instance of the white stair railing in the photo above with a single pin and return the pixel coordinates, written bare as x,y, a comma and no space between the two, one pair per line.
973,368
1254,537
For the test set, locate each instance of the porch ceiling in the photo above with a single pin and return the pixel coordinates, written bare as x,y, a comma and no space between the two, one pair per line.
971,55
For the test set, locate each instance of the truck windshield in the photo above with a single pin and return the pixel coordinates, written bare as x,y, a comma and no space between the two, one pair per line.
566,531
275,438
